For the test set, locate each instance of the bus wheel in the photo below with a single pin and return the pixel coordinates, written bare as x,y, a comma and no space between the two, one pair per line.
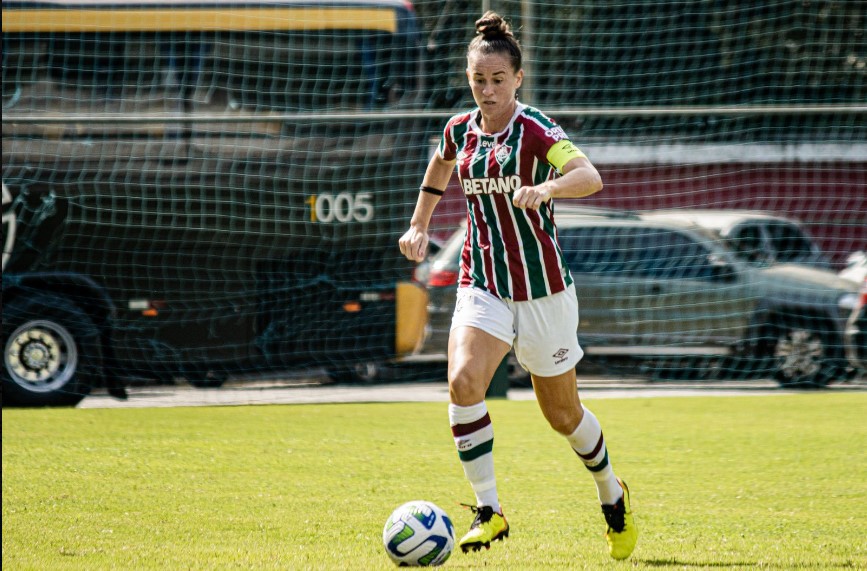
51,352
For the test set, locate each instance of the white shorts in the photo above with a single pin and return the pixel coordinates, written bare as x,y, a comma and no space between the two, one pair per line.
543,331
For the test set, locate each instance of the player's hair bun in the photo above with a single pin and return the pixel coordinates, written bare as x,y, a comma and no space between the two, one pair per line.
494,36
492,26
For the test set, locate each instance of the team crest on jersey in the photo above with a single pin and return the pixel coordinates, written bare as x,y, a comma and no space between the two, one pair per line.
502,153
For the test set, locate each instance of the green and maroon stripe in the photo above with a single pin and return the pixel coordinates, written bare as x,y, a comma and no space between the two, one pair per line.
478,434
591,456
509,251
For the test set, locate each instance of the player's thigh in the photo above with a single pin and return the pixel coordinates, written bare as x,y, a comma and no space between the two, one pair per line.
482,331
483,328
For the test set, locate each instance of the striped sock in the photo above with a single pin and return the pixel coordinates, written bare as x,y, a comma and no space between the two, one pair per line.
589,444
474,439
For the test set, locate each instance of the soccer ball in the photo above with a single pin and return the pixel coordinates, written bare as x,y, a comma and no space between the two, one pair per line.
418,534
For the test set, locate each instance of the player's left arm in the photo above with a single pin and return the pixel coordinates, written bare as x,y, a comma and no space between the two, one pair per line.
580,178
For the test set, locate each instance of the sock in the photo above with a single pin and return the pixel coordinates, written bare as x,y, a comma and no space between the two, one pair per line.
589,444
474,439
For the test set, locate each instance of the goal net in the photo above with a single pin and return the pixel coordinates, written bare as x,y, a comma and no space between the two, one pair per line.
216,190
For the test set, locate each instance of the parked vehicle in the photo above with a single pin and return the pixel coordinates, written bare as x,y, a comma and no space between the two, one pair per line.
856,332
174,204
662,287
756,237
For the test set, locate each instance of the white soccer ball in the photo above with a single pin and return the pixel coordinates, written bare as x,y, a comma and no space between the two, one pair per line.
418,534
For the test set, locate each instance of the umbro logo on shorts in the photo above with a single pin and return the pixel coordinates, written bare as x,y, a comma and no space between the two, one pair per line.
560,356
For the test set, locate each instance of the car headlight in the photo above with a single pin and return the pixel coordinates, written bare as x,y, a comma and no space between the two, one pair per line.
847,302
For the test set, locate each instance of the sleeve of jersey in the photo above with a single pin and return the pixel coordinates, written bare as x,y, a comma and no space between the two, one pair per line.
447,148
561,153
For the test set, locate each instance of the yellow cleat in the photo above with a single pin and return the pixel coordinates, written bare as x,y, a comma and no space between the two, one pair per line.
487,527
621,534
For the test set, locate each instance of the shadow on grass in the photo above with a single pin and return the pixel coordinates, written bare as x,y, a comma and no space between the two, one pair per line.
673,562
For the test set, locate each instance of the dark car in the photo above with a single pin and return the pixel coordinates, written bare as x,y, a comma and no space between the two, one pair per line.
662,288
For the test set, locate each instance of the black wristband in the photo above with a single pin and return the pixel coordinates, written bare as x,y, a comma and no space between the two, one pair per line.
432,190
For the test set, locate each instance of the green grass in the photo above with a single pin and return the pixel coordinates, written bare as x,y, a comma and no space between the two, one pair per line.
743,482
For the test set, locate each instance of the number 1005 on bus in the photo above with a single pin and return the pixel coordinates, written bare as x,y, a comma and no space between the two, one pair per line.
341,207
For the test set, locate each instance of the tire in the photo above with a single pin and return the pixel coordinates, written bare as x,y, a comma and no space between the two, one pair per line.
802,353
51,352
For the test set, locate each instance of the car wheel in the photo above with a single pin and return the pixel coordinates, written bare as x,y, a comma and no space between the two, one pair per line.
51,352
803,356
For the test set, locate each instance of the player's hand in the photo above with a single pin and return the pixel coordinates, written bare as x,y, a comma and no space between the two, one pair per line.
413,244
531,197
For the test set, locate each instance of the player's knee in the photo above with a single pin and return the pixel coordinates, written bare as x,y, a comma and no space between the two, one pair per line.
564,420
465,387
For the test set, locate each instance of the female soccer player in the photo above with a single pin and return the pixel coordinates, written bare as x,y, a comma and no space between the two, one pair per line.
515,287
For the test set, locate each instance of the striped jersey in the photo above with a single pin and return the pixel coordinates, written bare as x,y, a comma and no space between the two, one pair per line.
509,251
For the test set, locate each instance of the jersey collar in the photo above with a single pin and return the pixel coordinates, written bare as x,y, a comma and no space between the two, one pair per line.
475,117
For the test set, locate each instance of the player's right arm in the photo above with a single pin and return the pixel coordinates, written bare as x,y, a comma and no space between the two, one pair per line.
414,242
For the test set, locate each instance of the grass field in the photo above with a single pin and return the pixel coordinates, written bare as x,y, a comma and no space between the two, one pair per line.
772,482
